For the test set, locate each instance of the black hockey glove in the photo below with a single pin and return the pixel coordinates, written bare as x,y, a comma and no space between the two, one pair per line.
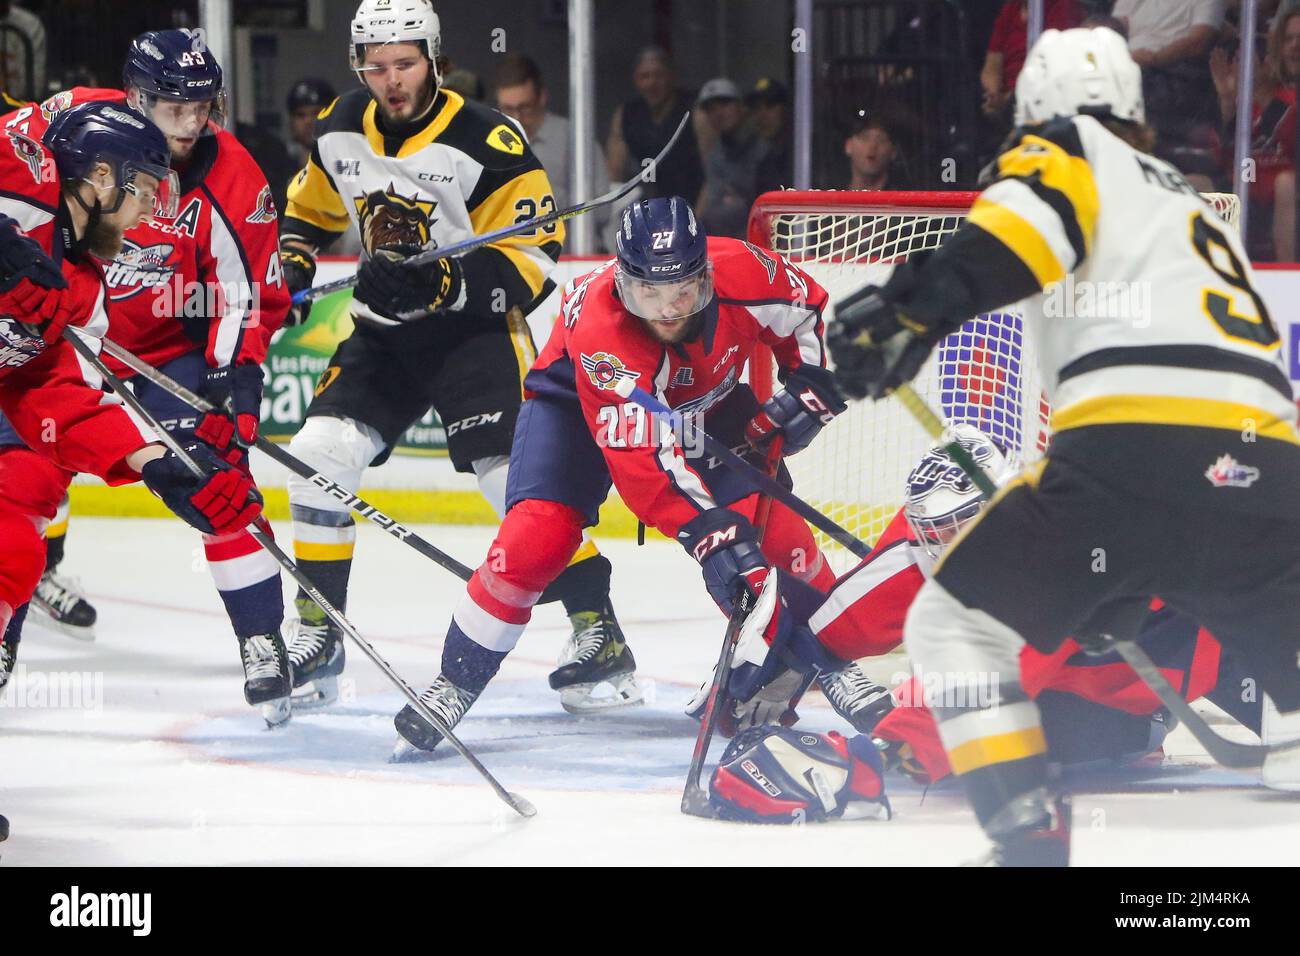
22,257
237,393
875,345
726,546
299,273
799,411
224,500
401,292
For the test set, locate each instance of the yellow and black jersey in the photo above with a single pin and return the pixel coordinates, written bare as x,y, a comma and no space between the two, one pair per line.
463,171
1141,296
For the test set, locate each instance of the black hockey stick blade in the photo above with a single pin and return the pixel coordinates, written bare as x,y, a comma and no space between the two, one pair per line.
518,229
1228,753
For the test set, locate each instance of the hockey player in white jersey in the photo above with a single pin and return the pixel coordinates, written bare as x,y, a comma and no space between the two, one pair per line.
1175,464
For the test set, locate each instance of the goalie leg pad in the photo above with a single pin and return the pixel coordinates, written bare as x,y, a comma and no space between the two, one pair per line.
777,775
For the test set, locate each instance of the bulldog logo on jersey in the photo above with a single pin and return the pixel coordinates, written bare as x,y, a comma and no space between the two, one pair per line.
605,369
507,140
57,102
389,219
264,209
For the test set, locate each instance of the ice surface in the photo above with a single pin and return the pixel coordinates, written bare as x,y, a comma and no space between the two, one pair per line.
168,766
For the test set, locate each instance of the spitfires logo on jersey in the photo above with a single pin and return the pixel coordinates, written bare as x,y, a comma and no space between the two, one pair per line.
137,268
33,156
387,218
1227,472
264,209
937,470
606,370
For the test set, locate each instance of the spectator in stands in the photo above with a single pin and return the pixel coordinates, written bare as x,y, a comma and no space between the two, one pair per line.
22,53
768,104
641,127
874,162
1008,47
522,95
1171,41
731,166
306,99
1273,132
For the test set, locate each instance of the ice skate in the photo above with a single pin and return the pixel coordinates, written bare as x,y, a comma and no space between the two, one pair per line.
317,656
417,735
597,670
268,677
856,697
60,605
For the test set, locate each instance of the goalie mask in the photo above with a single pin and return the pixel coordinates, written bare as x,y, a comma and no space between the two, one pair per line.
941,498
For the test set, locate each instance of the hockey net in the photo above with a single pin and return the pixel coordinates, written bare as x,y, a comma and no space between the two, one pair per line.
986,374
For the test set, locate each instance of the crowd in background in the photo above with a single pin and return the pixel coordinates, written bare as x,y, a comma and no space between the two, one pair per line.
740,144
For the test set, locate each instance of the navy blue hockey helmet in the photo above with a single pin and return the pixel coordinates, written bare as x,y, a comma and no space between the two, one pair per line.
90,133
663,271
174,65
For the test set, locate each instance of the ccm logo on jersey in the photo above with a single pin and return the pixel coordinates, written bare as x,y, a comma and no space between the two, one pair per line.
605,369
713,541
487,418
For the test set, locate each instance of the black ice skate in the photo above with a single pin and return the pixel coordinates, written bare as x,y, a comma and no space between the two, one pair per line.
8,658
268,677
597,670
856,697
447,701
317,654
1032,830
58,605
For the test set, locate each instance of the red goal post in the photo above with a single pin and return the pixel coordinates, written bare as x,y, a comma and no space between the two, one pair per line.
986,374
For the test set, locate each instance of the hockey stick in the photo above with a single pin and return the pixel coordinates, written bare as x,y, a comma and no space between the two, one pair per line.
695,799
516,802
532,225
628,389
294,464
1226,752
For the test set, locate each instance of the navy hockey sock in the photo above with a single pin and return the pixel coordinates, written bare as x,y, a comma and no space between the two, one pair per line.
468,664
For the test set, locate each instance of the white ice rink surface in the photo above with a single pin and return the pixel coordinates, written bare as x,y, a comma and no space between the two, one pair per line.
168,766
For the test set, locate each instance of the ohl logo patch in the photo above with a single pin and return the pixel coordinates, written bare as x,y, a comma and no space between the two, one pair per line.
264,208
605,369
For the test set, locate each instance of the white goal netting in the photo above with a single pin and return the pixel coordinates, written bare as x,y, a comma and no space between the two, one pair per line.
986,374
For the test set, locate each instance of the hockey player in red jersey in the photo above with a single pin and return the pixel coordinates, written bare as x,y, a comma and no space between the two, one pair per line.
680,314
199,296
67,198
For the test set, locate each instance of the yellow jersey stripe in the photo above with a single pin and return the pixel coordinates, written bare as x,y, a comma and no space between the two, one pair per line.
502,207
522,339
1169,410
999,748
1021,238
587,550
435,128
313,199
1056,169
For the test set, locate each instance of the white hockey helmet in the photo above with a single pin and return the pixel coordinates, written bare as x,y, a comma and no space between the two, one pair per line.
395,21
941,498
1079,71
